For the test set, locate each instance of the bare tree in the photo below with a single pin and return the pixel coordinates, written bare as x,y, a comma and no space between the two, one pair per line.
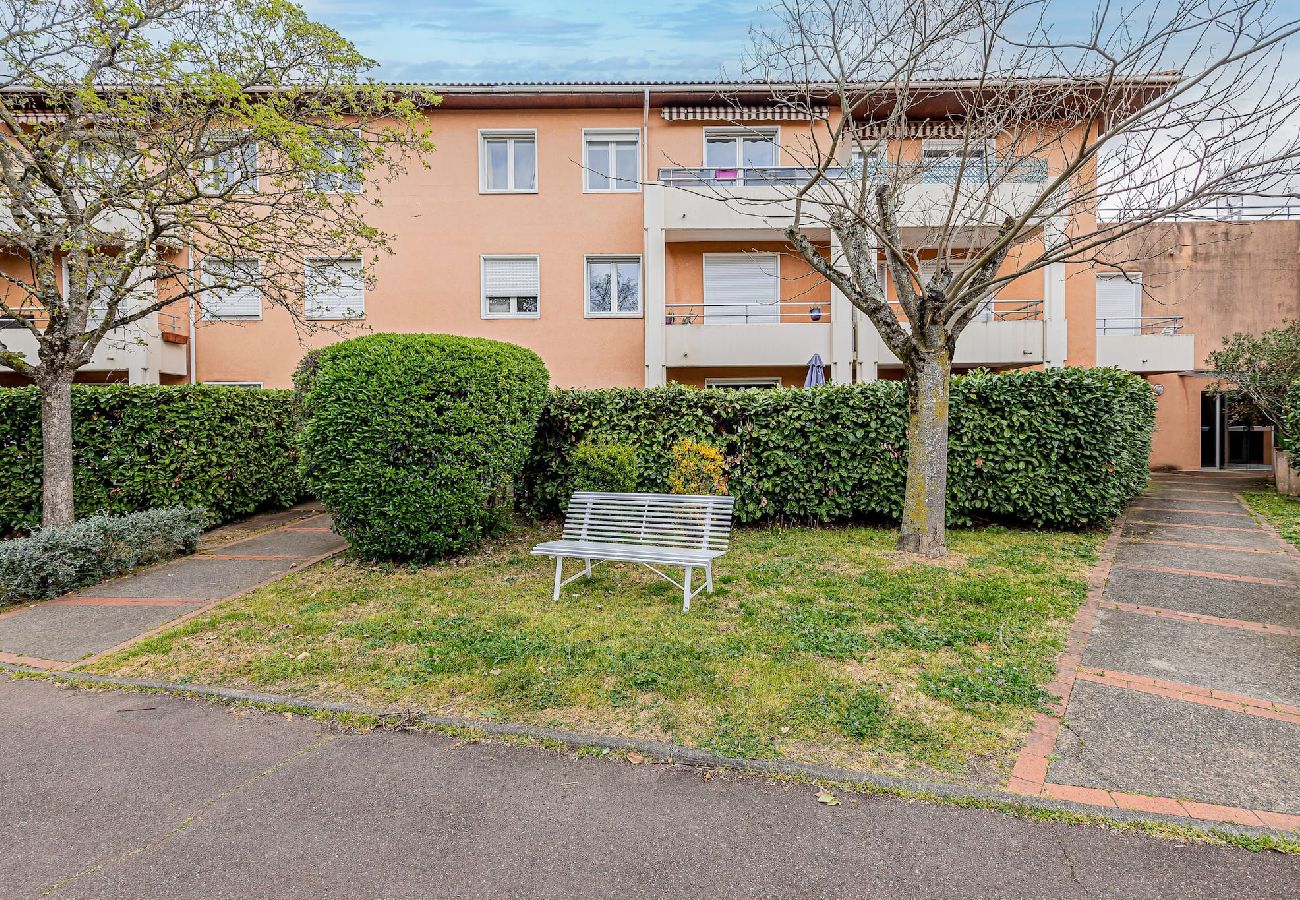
1054,146
161,152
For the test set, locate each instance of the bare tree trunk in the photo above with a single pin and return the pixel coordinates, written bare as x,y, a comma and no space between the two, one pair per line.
924,503
56,450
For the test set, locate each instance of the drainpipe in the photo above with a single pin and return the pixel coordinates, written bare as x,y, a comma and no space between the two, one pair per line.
645,232
189,267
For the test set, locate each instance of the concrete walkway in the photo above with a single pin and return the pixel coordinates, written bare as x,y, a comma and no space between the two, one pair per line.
113,794
86,624
1183,673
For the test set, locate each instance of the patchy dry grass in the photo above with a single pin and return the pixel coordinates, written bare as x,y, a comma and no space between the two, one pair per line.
1283,513
821,645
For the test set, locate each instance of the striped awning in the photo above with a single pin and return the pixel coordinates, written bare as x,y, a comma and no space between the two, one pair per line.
743,113
938,129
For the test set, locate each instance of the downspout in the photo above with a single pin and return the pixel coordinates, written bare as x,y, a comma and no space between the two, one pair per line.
189,267
645,232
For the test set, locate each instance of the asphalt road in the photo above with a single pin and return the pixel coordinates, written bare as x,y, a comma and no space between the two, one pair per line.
133,795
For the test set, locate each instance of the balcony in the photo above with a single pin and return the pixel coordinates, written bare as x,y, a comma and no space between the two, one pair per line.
1145,344
1005,333
146,349
704,200
770,334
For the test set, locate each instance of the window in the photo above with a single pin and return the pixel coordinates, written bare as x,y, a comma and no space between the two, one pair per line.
1119,303
231,289
231,167
742,288
510,287
941,160
336,289
870,155
739,384
98,309
508,162
611,160
340,171
613,286
740,148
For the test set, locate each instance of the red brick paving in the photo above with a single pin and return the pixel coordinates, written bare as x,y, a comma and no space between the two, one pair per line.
1198,573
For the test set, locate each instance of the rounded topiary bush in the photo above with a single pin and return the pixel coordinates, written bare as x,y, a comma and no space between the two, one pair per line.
414,441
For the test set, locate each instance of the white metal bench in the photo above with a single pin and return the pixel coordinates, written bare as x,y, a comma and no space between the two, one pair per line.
687,530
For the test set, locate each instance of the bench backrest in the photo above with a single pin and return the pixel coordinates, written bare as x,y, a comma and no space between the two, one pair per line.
692,521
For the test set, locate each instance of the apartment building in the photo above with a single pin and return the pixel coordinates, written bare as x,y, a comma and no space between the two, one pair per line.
585,221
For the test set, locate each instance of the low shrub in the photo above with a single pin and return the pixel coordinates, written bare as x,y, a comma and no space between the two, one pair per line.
414,441
53,561
137,447
604,466
1289,430
1061,447
698,468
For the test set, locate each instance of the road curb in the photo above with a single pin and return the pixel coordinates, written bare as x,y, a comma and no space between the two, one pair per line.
659,750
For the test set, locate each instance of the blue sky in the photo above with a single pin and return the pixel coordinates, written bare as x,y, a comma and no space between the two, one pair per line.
540,40
562,40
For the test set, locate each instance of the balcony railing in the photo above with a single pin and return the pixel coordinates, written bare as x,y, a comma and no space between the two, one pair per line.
167,322
997,310
757,313
1140,325
1019,170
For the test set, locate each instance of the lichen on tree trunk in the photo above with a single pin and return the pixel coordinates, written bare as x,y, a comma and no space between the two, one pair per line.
924,503
56,450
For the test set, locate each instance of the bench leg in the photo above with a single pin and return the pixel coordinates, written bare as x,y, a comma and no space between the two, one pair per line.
708,577
588,568
559,573
686,590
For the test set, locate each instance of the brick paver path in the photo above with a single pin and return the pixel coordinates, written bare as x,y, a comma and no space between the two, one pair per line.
1181,682
86,624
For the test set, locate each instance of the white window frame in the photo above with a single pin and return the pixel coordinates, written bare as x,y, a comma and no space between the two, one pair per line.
611,136
756,382
510,134
739,133
358,313
208,316
243,186
614,313
483,294
334,183
239,384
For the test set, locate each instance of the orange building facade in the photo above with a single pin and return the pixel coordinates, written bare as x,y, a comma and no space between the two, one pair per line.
589,223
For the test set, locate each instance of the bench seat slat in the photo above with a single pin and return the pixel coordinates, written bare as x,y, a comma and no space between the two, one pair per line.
669,556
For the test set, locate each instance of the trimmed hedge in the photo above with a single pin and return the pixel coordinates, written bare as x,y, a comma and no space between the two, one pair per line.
1061,448
604,467
227,449
53,561
414,440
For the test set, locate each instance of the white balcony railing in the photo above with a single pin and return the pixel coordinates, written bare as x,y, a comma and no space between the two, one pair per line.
757,313
1166,325
1020,170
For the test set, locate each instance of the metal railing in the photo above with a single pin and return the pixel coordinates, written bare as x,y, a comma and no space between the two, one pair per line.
1140,325
757,313
9,319
1019,170
998,310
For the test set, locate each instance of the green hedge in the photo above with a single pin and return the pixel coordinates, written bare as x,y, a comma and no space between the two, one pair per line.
1289,430
414,441
227,449
1061,447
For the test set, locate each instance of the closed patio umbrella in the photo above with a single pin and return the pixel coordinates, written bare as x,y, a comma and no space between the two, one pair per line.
816,376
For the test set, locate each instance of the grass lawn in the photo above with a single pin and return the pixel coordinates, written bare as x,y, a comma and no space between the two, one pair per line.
821,644
1283,513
